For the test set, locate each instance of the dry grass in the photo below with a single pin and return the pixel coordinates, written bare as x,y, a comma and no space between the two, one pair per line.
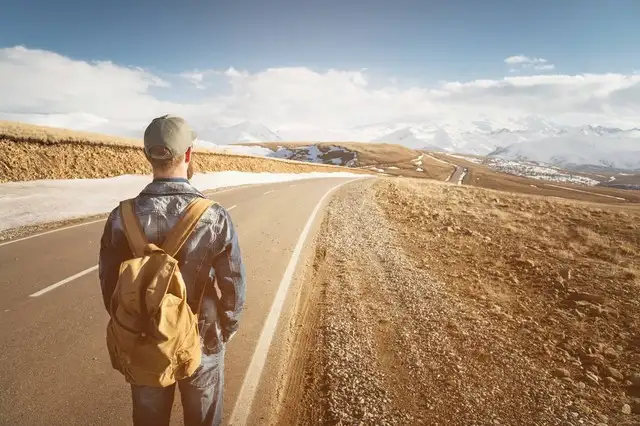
559,279
484,177
22,132
631,179
431,303
431,169
35,152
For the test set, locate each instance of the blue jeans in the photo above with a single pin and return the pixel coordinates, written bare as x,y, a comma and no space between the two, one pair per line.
201,396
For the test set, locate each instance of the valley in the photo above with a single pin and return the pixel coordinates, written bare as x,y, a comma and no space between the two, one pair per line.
491,172
448,289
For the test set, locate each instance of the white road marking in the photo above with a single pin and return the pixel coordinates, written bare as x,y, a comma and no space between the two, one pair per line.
291,186
51,232
63,282
232,207
270,191
242,406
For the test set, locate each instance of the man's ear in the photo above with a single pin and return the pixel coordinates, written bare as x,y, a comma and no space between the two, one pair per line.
187,155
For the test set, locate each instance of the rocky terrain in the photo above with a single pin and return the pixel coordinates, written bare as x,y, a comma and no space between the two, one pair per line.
438,304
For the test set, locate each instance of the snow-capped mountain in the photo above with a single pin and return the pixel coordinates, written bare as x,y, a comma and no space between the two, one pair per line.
245,132
606,148
531,138
478,137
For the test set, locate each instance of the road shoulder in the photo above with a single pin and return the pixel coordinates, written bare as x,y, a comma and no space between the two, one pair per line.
384,337
272,388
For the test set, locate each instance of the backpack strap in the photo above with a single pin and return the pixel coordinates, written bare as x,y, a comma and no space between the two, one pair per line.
132,229
185,226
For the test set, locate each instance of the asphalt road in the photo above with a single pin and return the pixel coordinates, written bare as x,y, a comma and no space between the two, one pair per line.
458,174
54,365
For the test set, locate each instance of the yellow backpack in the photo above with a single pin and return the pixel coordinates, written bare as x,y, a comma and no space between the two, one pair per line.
152,336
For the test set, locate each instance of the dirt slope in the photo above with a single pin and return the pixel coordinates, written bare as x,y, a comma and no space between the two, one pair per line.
437,304
37,152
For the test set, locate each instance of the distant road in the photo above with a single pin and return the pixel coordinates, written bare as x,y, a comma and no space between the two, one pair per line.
458,174
54,364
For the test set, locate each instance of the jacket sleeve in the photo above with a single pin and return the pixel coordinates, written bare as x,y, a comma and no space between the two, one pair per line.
230,277
109,261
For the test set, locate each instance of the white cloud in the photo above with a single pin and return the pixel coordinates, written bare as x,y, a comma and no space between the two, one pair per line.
195,78
521,59
521,63
47,88
545,67
36,82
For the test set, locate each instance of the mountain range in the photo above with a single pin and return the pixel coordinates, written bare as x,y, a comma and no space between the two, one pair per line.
244,132
531,138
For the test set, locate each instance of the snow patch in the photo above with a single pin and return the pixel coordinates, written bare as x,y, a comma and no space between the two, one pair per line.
538,171
462,176
21,203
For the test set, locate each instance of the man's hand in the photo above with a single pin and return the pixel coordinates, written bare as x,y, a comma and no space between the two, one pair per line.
229,337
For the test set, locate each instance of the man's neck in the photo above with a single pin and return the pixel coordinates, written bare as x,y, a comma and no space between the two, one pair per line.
171,179
174,176
171,175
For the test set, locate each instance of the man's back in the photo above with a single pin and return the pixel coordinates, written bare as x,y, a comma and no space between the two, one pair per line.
210,257
211,253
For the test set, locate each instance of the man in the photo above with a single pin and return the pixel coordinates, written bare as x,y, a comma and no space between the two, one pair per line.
210,256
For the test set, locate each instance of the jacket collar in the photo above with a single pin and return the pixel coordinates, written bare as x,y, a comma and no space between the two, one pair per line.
170,186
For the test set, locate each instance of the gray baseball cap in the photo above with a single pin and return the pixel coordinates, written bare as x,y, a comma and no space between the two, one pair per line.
167,137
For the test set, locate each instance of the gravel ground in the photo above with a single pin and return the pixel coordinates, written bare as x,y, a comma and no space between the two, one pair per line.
391,344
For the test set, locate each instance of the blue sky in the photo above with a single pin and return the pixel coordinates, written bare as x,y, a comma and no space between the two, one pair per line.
322,69
436,40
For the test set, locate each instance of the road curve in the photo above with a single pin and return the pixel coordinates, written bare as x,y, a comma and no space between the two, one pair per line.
458,174
54,366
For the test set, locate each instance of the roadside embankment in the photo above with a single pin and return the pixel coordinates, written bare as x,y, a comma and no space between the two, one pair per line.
31,152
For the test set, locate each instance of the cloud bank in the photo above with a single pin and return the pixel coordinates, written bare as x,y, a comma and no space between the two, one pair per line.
47,88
